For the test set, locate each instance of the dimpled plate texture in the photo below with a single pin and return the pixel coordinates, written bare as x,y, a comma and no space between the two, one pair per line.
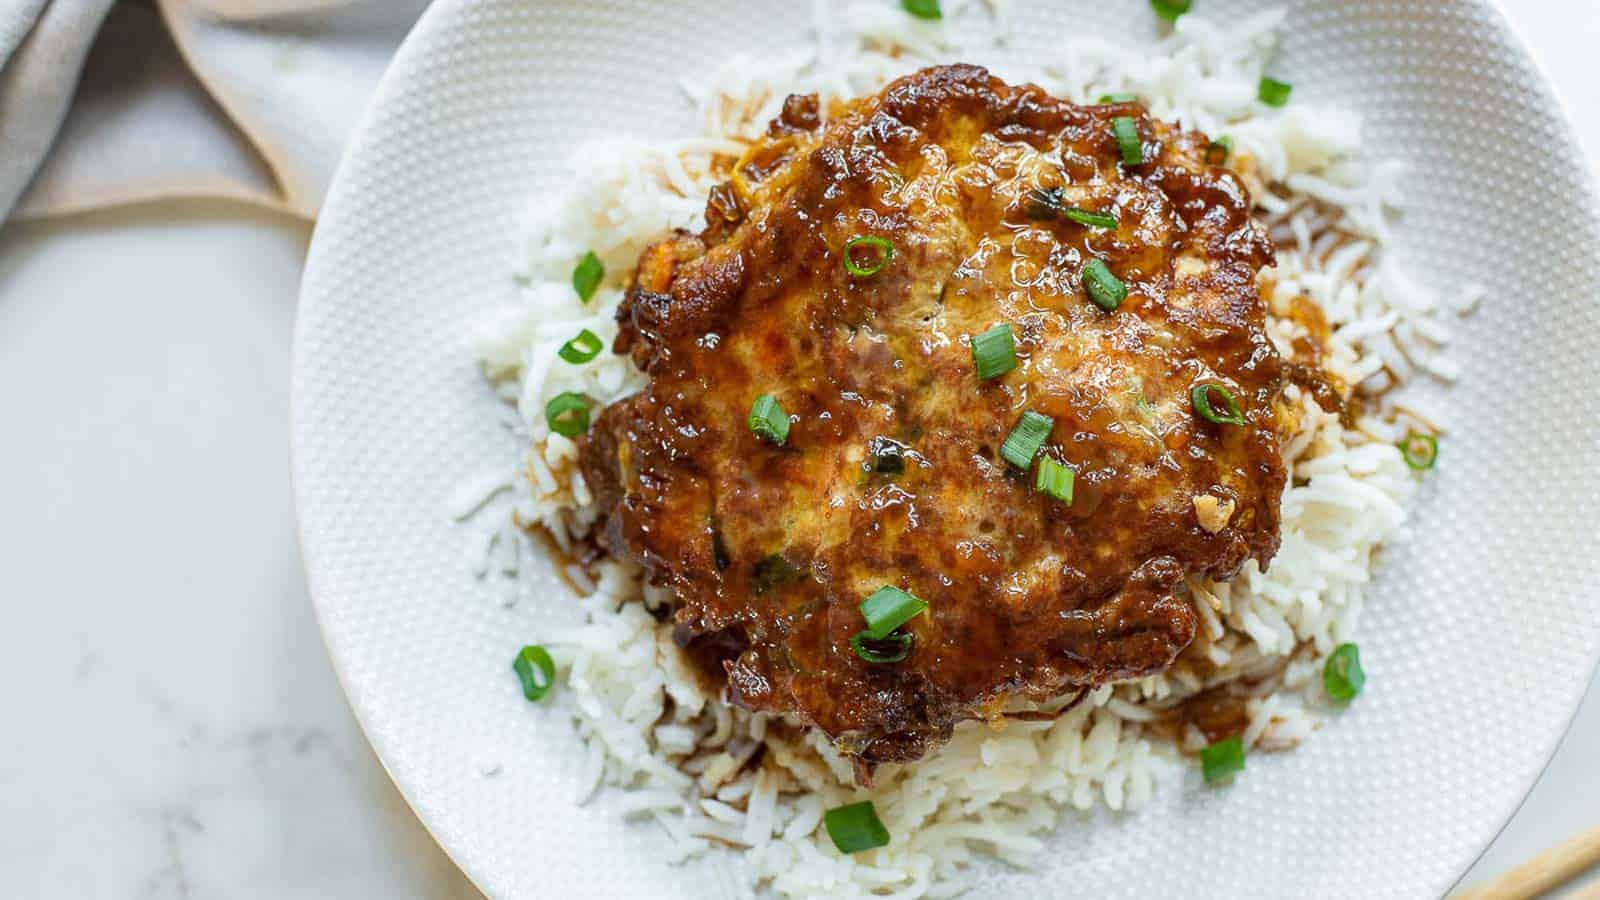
1478,636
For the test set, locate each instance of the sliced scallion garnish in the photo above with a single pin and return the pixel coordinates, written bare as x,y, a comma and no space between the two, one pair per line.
1204,398
588,275
923,9
887,608
1048,203
536,670
1342,676
880,252
768,420
1105,289
1273,92
1091,219
586,346
855,828
892,648
1120,97
1222,759
1420,450
1055,479
1170,9
567,414
1024,441
994,352
1127,133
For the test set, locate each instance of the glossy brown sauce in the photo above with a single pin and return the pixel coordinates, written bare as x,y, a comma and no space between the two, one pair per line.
1027,595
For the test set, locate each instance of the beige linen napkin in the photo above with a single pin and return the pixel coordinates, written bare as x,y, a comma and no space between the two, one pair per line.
245,99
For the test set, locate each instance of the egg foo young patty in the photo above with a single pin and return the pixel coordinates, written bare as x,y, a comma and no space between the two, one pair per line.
998,352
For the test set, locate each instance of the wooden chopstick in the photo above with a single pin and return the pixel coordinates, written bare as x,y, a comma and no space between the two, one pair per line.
1545,872
1592,892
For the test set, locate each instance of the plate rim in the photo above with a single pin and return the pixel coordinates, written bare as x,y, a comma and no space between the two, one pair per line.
329,216
332,214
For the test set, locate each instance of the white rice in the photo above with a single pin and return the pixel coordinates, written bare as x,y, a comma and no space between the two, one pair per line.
682,755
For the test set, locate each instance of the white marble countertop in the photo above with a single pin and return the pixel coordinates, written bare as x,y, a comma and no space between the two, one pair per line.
173,728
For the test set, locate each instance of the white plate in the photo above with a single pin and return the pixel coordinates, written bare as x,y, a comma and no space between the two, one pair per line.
1479,635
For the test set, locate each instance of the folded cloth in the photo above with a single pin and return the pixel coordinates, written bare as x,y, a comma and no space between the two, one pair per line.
245,99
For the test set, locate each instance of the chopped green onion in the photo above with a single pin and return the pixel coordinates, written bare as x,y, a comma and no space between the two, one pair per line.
586,346
1120,97
923,9
1218,151
1342,677
1091,219
1127,132
888,455
1222,759
887,608
883,251
536,670
1105,289
855,828
1054,479
1420,450
567,414
1200,396
879,651
1273,92
768,420
1170,9
1048,203
994,352
587,276
1024,441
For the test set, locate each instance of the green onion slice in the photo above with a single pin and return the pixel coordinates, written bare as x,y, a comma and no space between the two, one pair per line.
1420,450
1105,289
1127,132
1091,219
588,275
536,670
1201,397
586,346
1024,441
1120,97
881,651
768,420
1048,203
1342,676
887,608
855,828
994,352
881,251
1170,9
1055,479
1273,92
1218,151
1222,759
923,9
567,414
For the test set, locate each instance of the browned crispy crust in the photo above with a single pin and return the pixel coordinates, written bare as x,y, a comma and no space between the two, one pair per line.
770,550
